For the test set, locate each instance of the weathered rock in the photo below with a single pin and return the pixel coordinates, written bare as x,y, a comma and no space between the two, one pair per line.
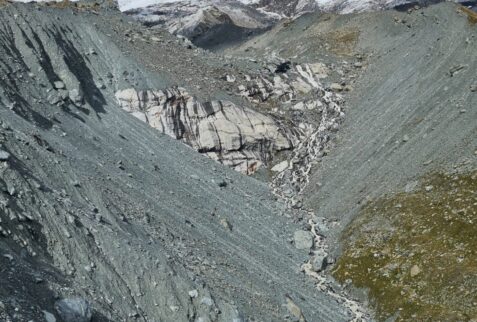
49,317
282,166
336,87
319,261
75,96
4,155
235,136
226,224
230,78
320,70
74,310
303,239
415,270
295,310
59,85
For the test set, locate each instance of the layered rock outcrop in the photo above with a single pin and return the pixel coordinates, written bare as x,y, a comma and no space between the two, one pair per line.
236,136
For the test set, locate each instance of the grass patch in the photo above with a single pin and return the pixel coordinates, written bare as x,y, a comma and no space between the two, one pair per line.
4,3
61,4
416,253
67,4
343,41
471,15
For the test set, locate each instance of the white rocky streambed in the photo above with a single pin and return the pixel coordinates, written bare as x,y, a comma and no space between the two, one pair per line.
293,178
246,139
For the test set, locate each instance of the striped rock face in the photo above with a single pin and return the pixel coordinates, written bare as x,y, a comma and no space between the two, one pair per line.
233,135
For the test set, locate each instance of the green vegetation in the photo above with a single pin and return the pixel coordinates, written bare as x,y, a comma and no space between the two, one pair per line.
343,41
416,252
3,3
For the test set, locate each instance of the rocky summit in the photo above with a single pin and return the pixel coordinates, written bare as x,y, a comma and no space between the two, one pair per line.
238,161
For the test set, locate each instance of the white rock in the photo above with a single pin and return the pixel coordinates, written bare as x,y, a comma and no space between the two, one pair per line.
207,301
49,317
75,96
74,310
299,107
319,261
320,70
193,294
230,78
336,87
282,166
59,85
4,155
303,239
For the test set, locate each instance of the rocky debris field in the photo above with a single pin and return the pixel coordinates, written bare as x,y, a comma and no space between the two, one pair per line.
400,123
108,213
103,218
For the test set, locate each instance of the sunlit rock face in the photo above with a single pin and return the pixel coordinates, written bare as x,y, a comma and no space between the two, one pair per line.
235,136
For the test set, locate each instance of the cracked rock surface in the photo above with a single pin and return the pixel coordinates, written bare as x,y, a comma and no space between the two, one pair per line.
238,137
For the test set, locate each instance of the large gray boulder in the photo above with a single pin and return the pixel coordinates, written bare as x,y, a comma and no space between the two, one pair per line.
4,155
303,239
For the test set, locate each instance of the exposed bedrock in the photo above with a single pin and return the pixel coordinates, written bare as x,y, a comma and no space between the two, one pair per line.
236,136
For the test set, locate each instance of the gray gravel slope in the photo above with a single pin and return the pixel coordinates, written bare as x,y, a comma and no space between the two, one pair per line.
125,217
407,116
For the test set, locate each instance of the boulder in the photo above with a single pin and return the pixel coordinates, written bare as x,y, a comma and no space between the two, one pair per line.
320,70
303,239
75,96
335,87
4,155
49,317
74,310
319,261
280,167
59,85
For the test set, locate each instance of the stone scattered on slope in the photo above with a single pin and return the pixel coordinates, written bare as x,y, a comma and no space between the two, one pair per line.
282,166
415,270
303,239
294,310
59,85
49,317
4,155
320,261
